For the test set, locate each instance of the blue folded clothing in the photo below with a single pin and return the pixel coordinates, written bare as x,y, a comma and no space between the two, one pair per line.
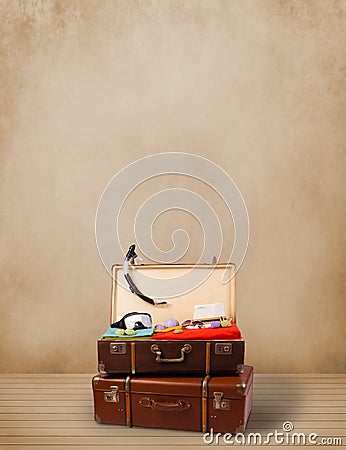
111,333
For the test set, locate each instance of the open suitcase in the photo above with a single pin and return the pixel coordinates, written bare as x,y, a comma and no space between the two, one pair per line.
219,354
222,404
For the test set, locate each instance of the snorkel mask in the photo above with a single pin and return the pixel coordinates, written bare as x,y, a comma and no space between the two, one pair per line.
134,321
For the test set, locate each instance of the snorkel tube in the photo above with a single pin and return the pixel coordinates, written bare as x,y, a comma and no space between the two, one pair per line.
130,257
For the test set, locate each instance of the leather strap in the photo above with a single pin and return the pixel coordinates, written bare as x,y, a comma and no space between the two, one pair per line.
204,400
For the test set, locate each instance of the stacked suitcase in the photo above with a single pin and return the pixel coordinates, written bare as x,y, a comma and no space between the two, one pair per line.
183,383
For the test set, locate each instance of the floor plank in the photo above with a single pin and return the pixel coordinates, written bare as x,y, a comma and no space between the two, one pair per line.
41,411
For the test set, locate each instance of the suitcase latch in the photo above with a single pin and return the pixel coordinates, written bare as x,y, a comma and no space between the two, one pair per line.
223,349
112,395
119,349
241,388
218,403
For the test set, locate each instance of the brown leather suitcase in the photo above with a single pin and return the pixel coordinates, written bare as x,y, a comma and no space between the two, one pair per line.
221,404
161,356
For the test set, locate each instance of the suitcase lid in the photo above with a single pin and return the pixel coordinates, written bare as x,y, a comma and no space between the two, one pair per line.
236,386
175,386
106,382
152,279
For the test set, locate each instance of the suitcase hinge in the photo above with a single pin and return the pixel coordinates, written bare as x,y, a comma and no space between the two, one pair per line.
240,368
218,403
112,395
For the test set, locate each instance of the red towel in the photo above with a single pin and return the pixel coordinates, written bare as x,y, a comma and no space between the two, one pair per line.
207,334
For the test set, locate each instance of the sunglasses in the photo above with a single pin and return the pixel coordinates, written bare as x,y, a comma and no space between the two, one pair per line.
135,321
192,323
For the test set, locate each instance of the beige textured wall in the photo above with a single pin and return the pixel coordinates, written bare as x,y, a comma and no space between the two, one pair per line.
90,86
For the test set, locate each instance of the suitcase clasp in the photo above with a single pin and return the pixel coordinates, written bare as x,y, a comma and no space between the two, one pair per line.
117,348
218,403
112,395
223,349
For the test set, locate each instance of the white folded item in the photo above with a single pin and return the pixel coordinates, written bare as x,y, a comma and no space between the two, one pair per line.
209,311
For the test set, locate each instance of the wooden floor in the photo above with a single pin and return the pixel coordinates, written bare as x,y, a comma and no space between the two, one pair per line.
56,411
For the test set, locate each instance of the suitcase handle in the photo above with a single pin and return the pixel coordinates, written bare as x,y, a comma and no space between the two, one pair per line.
187,348
179,406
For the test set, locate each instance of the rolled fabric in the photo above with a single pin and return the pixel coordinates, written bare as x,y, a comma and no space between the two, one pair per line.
229,333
